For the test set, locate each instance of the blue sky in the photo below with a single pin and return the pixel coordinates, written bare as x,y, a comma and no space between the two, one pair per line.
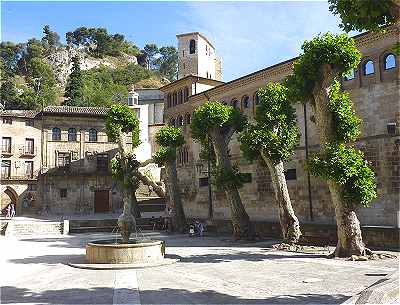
247,35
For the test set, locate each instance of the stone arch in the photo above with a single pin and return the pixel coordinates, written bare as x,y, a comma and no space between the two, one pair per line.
9,195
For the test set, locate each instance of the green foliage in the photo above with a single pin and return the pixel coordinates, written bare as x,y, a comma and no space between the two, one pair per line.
132,182
169,136
213,115
121,119
99,43
347,124
167,63
347,167
51,40
338,51
224,177
366,15
275,133
396,48
10,55
74,87
164,155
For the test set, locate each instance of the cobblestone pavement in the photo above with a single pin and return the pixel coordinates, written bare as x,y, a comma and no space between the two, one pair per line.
212,270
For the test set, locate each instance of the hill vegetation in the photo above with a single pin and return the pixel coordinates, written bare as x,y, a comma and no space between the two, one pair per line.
93,68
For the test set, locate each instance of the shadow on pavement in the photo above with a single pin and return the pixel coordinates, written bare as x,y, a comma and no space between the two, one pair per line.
103,295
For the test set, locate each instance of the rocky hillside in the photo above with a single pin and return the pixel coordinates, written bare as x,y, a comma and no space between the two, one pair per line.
61,62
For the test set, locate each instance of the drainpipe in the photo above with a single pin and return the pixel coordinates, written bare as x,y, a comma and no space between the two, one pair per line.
308,173
210,205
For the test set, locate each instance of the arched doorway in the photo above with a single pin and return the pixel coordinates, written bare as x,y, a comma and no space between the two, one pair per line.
8,196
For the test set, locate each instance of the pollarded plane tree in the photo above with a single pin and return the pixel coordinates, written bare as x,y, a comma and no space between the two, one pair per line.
351,181
273,139
216,123
170,139
121,121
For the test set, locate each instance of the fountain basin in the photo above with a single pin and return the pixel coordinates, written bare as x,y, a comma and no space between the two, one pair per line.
115,252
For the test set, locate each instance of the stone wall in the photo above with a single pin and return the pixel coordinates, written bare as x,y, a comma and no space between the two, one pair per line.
376,99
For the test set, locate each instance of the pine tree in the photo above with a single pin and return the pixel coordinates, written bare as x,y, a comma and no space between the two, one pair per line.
74,87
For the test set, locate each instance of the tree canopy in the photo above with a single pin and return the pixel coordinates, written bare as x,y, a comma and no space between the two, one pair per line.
366,15
169,138
121,119
212,115
275,133
338,51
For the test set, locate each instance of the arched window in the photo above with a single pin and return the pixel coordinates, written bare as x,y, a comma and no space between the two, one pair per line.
351,75
188,119
180,121
175,98
56,134
369,67
169,100
186,94
180,97
246,102
92,135
390,61
192,46
256,98
71,135
235,103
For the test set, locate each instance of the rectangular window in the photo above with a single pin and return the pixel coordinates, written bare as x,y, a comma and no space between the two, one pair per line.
63,193
5,168
290,174
29,122
130,101
102,162
7,121
203,181
6,145
29,169
29,146
63,159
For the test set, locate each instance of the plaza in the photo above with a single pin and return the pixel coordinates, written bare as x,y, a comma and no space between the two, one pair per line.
210,270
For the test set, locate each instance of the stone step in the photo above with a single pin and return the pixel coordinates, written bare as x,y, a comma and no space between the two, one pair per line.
21,228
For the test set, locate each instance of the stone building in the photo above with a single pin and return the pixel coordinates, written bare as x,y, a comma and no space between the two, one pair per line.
58,161
374,89
20,133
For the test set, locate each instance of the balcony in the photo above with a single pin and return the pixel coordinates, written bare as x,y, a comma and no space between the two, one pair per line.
7,150
27,151
25,177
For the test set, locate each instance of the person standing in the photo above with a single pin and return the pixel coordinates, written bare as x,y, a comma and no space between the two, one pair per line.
12,210
8,211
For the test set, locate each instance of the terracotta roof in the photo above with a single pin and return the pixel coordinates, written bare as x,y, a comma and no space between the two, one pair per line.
20,113
72,110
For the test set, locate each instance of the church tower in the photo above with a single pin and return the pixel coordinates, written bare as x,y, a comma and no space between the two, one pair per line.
196,56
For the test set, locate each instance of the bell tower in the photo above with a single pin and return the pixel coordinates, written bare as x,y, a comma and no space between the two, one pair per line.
197,56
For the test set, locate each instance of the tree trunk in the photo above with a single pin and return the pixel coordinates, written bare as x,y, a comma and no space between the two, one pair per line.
126,221
242,226
178,214
147,181
348,227
289,223
134,205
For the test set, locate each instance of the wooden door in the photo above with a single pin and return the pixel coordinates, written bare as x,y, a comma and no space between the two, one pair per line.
101,201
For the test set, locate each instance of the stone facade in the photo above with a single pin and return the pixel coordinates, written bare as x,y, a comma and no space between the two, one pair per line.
70,159
377,102
196,56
